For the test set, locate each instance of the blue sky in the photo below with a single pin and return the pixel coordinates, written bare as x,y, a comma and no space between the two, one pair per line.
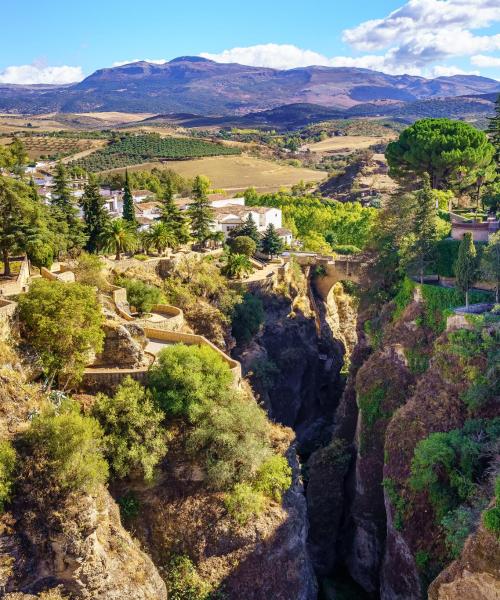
60,41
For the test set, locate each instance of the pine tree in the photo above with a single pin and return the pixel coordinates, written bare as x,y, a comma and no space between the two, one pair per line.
494,130
249,229
200,211
128,202
95,215
466,266
172,215
65,210
424,228
271,242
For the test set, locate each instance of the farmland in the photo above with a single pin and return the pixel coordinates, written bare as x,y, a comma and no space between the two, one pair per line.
49,146
347,142
235,173
137,149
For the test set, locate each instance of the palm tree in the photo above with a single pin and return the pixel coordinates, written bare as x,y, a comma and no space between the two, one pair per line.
161,236
237,266
119,236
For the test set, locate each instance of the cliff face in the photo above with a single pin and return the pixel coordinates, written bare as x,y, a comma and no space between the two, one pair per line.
80,546
264,558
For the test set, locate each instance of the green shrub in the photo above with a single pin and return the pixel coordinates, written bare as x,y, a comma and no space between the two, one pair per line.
184,379
345,249
231,437
447,464
418,362
447,254
421,559
248,317
243,244
62,322
141,295
370,404
7,468
265,371
274,477
184,582
68,447
129,506
397,502
245,502
457,525
491,517
134,437
404,297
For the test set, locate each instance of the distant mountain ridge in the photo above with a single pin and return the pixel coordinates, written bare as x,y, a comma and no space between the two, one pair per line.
201,86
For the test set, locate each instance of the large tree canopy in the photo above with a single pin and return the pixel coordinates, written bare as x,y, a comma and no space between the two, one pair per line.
451,152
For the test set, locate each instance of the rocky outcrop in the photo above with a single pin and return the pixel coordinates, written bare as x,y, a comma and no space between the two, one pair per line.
265,558
81,547
123,346
473,576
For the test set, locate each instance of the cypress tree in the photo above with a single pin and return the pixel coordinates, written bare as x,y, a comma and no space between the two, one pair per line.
200,211
466,266
494,130
128,202
424,228
172,215
65,210
95,215
271,242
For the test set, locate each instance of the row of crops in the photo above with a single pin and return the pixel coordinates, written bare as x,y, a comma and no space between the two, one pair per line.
133,150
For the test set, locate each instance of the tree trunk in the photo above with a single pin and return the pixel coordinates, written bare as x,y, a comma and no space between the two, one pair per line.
466,298
117,257
6,262
497,289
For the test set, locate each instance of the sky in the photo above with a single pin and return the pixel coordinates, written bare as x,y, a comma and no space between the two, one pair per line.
61,42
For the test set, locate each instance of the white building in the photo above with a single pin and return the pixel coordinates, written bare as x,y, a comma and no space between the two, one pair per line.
233,215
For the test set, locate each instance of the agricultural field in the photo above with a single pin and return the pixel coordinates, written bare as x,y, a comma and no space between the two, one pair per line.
137,149
347,143
55,148
236,173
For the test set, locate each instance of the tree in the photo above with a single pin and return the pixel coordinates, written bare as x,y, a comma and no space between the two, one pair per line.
466,266
490,262
236,265
119,236
271,242
95,215
65,211
63,324
134,438
172,215
140,295
424,230
161,236
449,151
248,316
494,130
200,210
19,156
248,229
128,202
89,269
243,244
7,471
184,378
65,449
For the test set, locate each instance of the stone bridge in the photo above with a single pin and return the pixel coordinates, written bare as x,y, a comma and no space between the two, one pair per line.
335,269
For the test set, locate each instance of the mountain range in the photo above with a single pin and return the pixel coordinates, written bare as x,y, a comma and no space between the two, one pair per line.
204,87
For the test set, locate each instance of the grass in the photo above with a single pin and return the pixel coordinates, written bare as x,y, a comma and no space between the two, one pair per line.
234,173
37,146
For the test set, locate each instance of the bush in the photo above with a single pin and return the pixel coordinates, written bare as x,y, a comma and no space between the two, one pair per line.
62,322
274,477
7,468
183,581
89,270
184,378
231,437
134,437
265,371
245,502
129,506
345,249
248,316
141,295
242,244
68,447
447,254
491,517
457,525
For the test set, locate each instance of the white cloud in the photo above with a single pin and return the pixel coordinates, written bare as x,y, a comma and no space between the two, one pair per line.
37,73
424,31
480,60
447,71
156,61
